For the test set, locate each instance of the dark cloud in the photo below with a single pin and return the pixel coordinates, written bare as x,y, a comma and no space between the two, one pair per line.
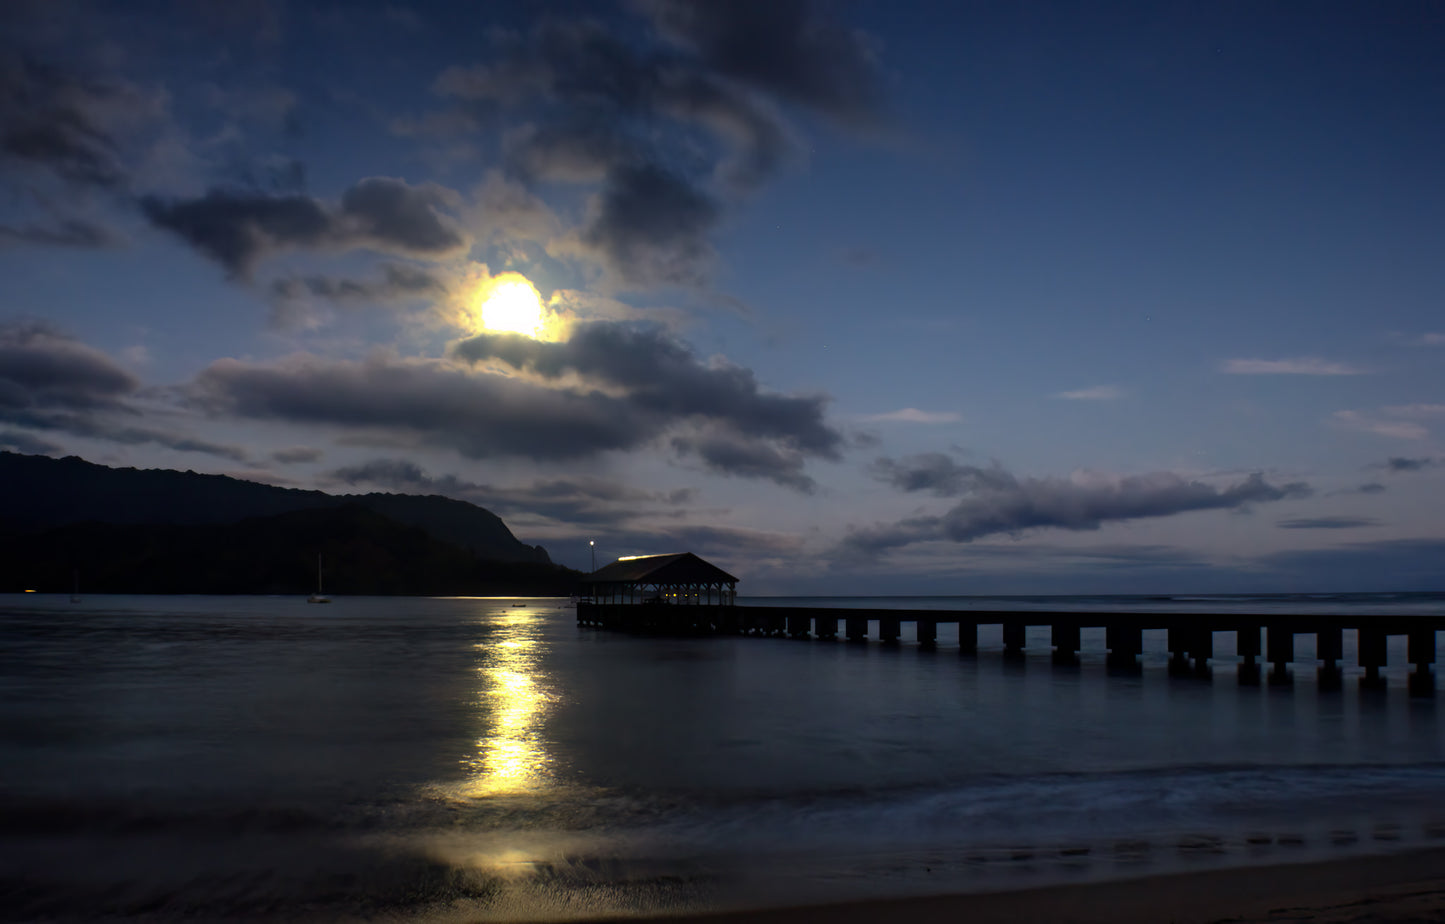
937,474
651,226
56,120
402,402
71,232
50,381
757,139
998,502
44,368
238,228
665,131
577,500
662,374
1327,523
398,281
783,47
611,387
1402,464
296,454
1369,487
732,453
579,150
390,215
20,441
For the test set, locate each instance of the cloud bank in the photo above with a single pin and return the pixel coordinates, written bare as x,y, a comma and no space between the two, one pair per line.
995,501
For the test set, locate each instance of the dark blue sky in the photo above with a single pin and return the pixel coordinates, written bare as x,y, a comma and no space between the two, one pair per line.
850,297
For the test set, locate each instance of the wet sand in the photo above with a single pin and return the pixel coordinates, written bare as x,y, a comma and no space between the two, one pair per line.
1389,889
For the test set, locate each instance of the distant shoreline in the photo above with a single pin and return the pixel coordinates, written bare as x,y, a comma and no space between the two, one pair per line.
1380,889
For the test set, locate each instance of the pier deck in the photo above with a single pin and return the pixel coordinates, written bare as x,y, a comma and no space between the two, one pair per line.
1260,638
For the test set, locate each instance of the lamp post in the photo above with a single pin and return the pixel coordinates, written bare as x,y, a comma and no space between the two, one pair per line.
592,544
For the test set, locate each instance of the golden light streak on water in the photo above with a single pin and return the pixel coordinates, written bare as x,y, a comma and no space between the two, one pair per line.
514,698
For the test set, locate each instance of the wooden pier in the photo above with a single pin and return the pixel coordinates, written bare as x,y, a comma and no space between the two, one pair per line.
1260,638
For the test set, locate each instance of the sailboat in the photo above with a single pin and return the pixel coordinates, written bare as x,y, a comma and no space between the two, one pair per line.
318,597
75,593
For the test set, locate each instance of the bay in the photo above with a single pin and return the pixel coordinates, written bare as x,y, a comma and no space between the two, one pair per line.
229,757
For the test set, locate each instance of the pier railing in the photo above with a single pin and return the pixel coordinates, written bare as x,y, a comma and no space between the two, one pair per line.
1267,638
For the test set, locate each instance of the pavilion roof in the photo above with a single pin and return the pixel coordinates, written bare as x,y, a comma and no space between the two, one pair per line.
674,568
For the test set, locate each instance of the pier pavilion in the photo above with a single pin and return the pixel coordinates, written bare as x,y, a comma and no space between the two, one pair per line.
675,592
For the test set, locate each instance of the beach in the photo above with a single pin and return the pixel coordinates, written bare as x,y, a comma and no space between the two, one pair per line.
1392,889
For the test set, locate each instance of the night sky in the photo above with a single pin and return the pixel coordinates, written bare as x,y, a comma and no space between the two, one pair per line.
863,297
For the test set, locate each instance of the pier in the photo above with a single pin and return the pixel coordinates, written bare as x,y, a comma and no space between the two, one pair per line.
1260,639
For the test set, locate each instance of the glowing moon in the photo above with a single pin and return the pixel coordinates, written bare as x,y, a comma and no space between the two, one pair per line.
511,305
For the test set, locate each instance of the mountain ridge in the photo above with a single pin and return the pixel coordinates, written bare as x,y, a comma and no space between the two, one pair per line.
72,490
162,531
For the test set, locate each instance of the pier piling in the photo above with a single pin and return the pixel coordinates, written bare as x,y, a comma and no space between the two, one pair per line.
1330,646
1125,642
857,627
927,632
1066,638
1014,631
1371,644
967,637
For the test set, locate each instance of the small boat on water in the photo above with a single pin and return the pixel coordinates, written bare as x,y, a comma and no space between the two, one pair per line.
318,597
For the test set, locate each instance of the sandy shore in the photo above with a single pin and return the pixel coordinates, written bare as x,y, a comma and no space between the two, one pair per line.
1394,889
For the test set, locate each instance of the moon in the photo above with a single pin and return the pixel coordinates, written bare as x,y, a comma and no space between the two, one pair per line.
511,305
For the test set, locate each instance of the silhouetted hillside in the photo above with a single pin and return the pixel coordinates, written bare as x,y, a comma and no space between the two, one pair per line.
38,493
158,531
363,553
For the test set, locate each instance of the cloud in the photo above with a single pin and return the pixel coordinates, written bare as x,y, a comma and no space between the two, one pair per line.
296,454
1396,429
663,375
1427,339
651,226
1096,393
44,368
398,283
431,402
1402,464
64,123
1369,487
19,441
52,382
612,387
580,150
937,474
239,228
1300,366
671,132
1414,411
573,500
913,415
783,47
730,452
997,502
1328,523
68,232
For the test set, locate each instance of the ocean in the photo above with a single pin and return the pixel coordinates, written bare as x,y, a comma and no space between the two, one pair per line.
215,758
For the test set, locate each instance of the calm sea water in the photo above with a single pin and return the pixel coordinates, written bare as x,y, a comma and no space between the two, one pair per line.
475,759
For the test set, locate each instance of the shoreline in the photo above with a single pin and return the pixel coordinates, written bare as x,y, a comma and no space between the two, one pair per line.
1393,888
